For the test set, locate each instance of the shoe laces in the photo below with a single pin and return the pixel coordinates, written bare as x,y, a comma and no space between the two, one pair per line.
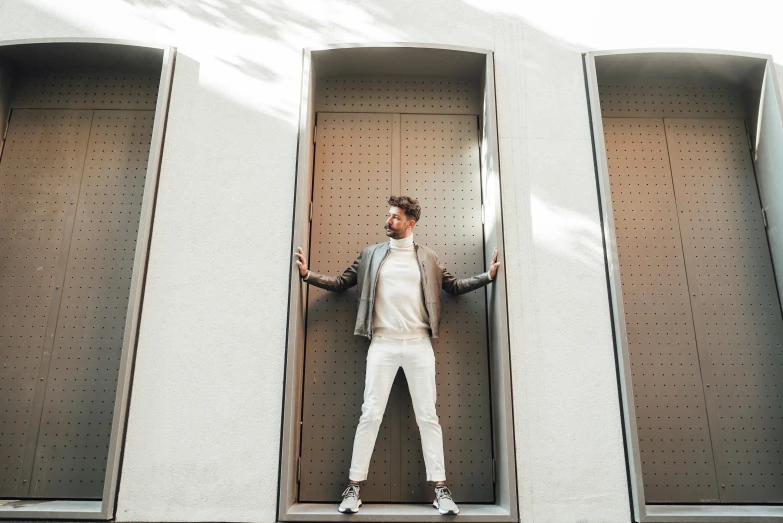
443,492
351,492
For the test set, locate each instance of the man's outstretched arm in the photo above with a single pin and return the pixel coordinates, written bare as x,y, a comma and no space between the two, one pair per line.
456,286
331,283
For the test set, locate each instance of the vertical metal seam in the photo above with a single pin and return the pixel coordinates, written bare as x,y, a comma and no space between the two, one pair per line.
690,302
39,402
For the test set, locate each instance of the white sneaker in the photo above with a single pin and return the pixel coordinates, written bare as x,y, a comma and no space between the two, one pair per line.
351,501
443,501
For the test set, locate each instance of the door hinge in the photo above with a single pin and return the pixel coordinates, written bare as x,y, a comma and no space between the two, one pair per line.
494,474
482,214
311,212
764,217
315,132
299,468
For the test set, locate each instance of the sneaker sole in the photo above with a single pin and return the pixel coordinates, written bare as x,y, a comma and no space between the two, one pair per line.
445,513
349,511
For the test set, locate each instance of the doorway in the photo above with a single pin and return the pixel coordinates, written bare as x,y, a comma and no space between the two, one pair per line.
361,159
691,261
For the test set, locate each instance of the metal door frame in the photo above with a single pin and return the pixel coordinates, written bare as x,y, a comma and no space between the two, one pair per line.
104,509
505,508
643,512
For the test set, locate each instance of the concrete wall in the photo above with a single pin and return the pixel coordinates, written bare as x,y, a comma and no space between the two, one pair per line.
203,433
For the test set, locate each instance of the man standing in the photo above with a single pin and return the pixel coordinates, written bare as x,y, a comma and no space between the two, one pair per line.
399,285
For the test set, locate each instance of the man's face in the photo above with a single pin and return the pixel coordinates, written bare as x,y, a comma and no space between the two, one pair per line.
397,224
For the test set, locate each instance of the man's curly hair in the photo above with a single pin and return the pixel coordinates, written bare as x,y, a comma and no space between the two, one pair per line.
409,205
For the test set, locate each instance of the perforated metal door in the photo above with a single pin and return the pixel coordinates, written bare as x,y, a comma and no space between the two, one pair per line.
736,312
73,443
440,164
353,163
357,165
72,188
702,313
671,417
40,172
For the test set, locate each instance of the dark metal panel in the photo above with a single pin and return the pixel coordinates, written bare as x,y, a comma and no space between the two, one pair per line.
674,437
736,312
6,84
75,428
440,167
79,90
398,94
666,97
352,179
40,171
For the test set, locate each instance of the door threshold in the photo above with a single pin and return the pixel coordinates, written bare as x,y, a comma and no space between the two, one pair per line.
712,513
396,512
50,509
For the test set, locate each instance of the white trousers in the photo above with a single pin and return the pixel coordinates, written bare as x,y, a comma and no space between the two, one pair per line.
417,360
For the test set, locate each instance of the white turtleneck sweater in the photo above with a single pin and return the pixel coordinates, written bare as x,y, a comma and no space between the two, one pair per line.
399,311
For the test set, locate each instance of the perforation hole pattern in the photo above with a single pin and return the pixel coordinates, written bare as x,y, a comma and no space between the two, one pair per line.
86,91
79,403
352,176
664,98
440,166
671,417
40,170
408,94
738,320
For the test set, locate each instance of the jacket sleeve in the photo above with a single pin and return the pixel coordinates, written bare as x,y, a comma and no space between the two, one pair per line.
457,286
335,283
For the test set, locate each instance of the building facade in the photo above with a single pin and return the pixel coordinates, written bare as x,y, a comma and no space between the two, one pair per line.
211,366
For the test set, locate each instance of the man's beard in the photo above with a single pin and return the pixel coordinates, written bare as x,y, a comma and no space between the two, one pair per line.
393,234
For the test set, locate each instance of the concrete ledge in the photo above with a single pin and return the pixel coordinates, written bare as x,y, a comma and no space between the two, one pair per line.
50,509
396,512
712,514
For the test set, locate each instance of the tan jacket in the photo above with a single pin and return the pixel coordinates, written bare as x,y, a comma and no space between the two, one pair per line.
364,273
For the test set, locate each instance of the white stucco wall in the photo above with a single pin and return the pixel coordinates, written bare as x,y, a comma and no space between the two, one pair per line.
203,433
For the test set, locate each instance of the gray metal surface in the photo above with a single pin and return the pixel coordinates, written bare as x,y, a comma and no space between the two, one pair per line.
398,94
354,173
6,82
673,431
440,167
73,442
351,181
71,222
85,90
40,171
737,316
666,97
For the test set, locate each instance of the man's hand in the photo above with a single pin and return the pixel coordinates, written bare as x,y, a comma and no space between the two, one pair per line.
302,262
493,269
